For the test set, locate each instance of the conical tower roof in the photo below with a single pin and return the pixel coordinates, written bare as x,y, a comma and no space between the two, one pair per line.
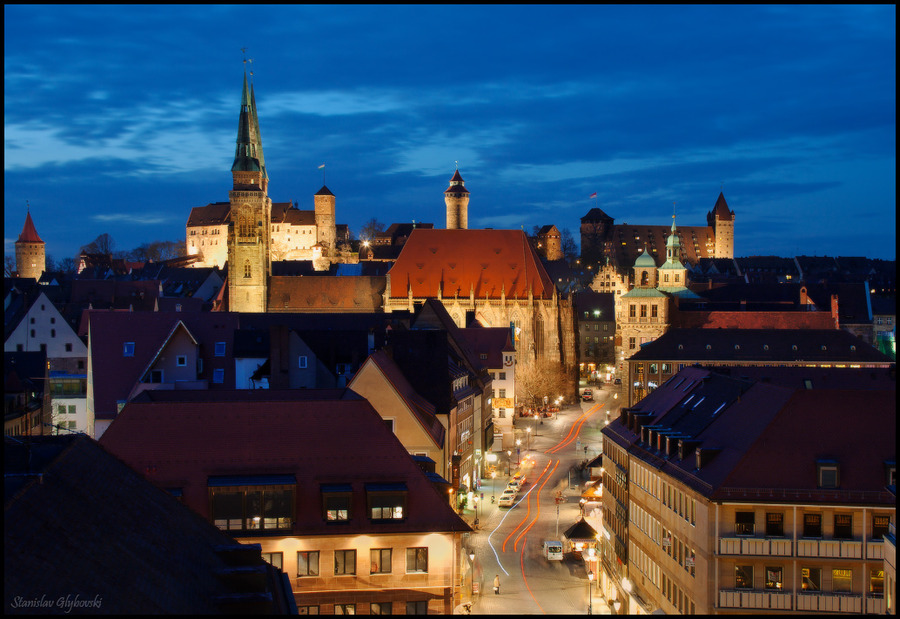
721,209
29,233
324,191
457,184
246,155
262,157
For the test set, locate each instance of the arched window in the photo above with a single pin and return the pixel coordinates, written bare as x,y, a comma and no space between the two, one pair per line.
247,268
645,278
244,226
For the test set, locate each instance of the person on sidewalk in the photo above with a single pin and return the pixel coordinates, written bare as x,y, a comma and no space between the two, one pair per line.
497,584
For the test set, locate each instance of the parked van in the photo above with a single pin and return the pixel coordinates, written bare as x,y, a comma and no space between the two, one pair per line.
553,550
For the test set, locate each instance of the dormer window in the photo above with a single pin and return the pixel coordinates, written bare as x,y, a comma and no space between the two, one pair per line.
828,474
386,501
890,473
128,349
336,502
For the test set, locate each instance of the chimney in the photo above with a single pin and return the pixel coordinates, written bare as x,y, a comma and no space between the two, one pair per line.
804,298
704,456
685,446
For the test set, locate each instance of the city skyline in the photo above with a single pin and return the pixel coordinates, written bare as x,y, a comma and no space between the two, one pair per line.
129,115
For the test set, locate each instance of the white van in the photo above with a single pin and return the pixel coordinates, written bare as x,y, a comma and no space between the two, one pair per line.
553,550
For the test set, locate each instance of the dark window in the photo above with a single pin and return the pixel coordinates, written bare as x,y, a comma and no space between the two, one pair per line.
843,526
345,609
344,562
128,349
631,310
880,526
381,561
308,563
811,578
307,610
380,608
828,474
68,347
775,524
743,576
744,523
219,375
417,608
416,559
220,349
812,525
643,310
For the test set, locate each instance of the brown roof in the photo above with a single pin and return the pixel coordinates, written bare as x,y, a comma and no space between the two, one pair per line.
755,320
320,437
213,214
457,261
721,209
628,241
490,341
326,294
29,233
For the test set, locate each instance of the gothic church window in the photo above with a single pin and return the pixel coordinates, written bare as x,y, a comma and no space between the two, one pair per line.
247,268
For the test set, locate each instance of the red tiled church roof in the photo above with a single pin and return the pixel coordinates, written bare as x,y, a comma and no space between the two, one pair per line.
325,294
458,261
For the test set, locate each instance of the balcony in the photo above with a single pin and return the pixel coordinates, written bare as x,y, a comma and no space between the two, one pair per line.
874,604
775,547
830,602
875,549
840,549
754,598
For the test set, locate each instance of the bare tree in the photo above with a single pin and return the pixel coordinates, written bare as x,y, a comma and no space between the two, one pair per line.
103,244
568,246
9,265
538,379
66,265
370,229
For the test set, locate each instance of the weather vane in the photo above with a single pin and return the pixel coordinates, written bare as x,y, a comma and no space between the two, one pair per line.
457,165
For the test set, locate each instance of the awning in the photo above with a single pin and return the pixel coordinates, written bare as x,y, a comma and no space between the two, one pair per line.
336,487
395,487
581,531
251,480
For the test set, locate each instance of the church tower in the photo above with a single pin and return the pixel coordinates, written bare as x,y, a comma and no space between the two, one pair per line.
456,197
249,263
672,275
30,256
721,220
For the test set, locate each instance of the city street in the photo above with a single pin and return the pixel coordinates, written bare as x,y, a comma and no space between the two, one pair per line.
509,541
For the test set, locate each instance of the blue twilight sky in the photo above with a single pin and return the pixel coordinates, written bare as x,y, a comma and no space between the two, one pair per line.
119,119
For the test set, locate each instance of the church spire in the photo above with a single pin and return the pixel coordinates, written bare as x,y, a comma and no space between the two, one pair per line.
262,158
246,156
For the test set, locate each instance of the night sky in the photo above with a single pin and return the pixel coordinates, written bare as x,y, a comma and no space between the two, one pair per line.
120,119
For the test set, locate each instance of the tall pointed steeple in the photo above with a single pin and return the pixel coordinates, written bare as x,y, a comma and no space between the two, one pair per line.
246,152
262,158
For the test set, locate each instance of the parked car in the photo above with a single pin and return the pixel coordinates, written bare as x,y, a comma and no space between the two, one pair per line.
507,500
587,395
618,381
515,484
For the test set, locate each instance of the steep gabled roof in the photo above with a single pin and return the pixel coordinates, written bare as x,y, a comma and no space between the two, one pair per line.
721,209
488,262
213,214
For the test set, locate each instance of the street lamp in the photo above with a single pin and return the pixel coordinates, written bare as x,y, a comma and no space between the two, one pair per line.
518,445
475,501
493,484
529,438
508,459
590,592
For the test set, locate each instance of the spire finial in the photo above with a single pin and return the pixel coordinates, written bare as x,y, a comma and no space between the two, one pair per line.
27,206
457,165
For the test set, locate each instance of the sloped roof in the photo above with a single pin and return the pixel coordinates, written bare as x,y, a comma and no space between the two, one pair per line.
581,530
421,408
763,345
115,375
721,209
595,214
29,233
213,214
324,191
629,240
82,512
325,294
715,319
319,436
490,341
457,261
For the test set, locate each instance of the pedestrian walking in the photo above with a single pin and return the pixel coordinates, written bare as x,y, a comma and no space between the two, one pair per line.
497,584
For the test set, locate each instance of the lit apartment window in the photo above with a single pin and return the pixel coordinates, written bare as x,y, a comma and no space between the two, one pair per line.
381,561
247,506
274,558
841,580
417,560
876,581
344,563
743,576
307,563
336,501
880,526
386,501
774,577
811,578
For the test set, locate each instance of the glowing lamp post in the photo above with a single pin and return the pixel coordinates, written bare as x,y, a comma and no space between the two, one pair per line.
508,459
529,438
590,592
518,445
493,484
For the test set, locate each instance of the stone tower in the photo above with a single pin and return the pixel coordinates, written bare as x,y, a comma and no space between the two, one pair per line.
456,197
721,220
325,227
550,243
596,228
30,256
249,262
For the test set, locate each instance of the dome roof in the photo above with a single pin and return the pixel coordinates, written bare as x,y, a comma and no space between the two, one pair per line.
645,260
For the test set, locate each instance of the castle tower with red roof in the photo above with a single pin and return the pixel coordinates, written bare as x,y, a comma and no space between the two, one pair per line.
249,230
721,220
31,260
456,197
